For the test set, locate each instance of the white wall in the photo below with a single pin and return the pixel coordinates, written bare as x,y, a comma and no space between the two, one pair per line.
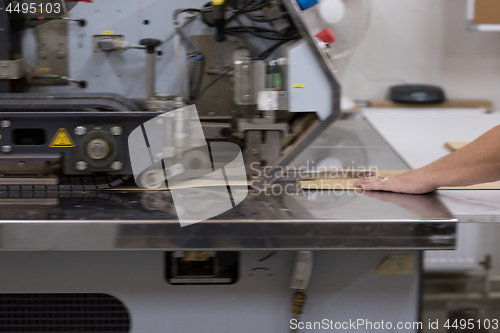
423,41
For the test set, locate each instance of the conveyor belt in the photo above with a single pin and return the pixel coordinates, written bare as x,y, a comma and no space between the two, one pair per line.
71,184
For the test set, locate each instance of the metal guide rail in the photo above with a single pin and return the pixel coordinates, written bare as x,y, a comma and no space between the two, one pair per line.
146,220
59,184
77,217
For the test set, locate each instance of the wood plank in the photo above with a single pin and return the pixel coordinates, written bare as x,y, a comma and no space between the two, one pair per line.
200,183
348,183
452,103
455,145
324,182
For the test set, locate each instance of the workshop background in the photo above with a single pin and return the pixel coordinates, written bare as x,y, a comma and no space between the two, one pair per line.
423,41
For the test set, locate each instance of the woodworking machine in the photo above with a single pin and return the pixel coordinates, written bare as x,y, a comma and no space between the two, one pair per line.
81,251
72,92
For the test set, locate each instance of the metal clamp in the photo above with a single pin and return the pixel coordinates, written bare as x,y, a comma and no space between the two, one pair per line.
12,69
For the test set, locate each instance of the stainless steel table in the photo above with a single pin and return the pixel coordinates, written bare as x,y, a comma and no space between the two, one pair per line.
322,220
75,231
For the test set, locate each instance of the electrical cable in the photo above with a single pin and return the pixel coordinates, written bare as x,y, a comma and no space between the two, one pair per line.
262,19
270,50
260,4
196,68
251,30
189,45
208,86
183,22
255,29
226,72
196,76
194,55
242,9
201,72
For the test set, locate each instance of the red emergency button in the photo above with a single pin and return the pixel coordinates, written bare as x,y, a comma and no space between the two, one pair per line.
326,36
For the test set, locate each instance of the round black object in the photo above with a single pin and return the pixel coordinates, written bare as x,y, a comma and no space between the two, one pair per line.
82,84
225,132
151,44
102,164
417,94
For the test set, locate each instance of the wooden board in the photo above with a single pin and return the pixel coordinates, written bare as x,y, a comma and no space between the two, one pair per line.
348,183
455,145
356,109
130,186
486,12
325,181
453,103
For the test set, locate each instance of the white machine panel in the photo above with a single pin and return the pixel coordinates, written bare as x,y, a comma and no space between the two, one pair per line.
308,86
343,286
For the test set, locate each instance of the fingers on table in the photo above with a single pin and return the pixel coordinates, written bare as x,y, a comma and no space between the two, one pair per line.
373,183
368,180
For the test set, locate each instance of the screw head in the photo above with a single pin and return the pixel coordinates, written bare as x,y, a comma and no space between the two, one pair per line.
81,165
5,123
117,165
21,164
98,149
116,130
4,64
81,130
255,151
6,149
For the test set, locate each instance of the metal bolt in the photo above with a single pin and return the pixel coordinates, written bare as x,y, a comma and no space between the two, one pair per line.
81,165
6,149
81,130
21,165
98,149
117,165
116,130
5,123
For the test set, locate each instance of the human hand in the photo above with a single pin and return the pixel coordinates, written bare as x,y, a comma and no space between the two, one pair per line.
412,182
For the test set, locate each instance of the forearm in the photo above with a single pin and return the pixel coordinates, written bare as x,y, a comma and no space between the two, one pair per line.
478,162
